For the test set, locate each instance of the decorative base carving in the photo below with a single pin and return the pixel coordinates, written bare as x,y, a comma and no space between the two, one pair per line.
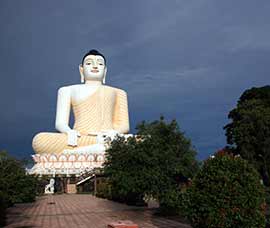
66,164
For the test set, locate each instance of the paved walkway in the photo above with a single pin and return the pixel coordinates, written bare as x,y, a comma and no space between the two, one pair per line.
82,211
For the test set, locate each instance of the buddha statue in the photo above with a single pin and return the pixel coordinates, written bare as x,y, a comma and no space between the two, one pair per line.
100,112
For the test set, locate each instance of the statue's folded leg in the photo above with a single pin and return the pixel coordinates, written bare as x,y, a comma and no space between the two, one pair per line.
46,142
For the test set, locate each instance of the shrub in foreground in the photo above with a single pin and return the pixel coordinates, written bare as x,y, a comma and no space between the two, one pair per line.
2,209
15,185
103,189
226,193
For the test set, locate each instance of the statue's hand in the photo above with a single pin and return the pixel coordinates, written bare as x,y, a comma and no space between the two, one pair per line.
73,137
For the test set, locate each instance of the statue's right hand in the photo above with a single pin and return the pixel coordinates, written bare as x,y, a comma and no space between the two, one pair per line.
72,137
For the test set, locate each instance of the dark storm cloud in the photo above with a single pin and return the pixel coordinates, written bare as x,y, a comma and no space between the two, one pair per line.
188,60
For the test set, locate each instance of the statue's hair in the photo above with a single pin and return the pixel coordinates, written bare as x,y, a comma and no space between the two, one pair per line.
94,52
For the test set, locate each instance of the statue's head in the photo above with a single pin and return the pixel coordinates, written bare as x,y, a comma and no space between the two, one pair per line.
93,67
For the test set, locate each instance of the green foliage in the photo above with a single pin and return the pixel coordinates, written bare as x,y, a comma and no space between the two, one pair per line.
267,200
3,207
225,193
150,164
104,189
249,131
15,185
14,182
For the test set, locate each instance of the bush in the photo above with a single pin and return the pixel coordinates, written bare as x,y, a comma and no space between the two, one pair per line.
15,184
103,189
3,207
152,163
226,193
267,199
27,187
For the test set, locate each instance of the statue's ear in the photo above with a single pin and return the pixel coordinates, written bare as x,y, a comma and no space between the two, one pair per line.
81,73
104,76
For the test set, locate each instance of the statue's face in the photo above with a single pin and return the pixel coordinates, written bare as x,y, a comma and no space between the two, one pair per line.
93,68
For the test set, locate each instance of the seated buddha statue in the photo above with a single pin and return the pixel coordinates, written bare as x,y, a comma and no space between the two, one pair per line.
99,111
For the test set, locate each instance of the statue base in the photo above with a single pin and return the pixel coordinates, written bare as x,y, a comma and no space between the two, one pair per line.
66,163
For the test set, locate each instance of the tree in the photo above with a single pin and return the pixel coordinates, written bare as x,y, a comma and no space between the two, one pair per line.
151,163
249,131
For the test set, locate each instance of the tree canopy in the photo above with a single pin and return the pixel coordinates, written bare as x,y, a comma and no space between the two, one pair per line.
152,163
249,131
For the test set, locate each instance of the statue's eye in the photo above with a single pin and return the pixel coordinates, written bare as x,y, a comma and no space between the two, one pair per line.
101,64
88,63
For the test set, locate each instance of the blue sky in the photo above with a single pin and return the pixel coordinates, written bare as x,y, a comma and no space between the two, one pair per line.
185,59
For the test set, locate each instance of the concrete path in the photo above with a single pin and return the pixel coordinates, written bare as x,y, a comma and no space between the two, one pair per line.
82,211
